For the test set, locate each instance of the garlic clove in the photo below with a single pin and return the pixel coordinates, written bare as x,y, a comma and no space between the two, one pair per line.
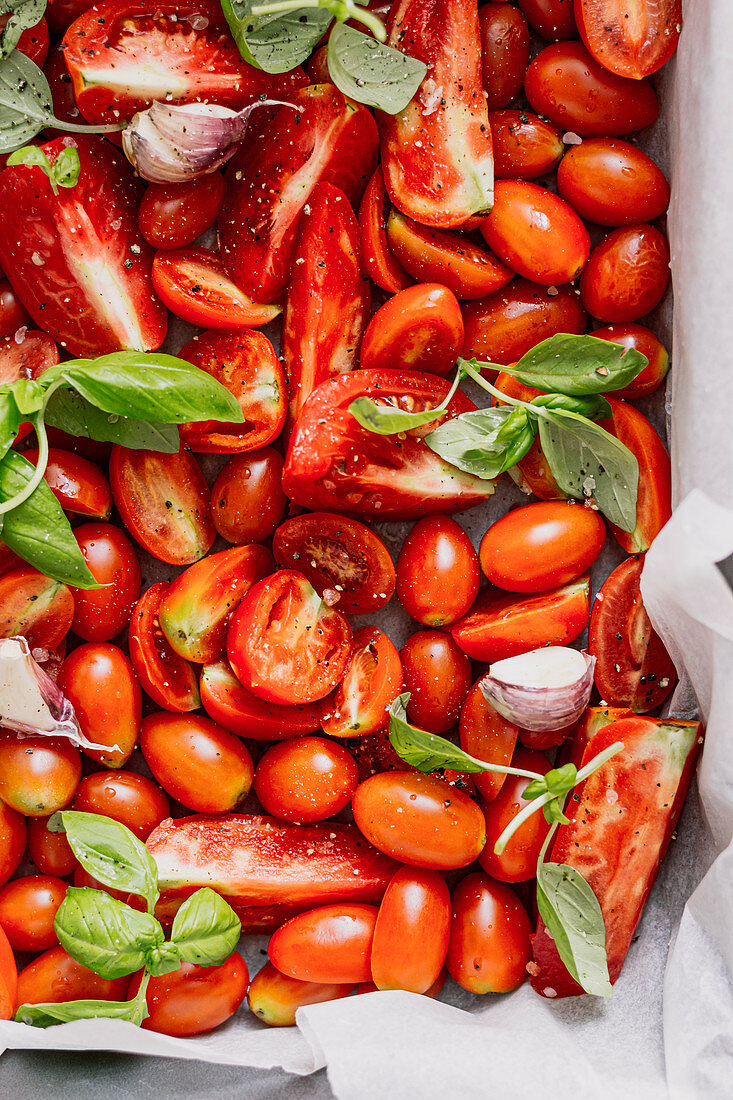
543,690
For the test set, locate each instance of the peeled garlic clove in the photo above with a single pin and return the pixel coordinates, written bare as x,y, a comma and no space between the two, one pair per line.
545,689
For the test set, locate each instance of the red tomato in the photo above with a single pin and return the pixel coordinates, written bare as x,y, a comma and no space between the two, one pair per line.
163,500
627,274
55,71
487,735
437,572
504,52
173,215
438,675
379,261
420,328
419,820
568,86
525,146
284,645
654,500
411,934
78,485
38,775
502,625
8,980
329,944
193,284
232,706
611,182
35,606
505,325
12,841
592,722
196,762
274,998
194,999
373,679
33,42
99,682
101,613
13,314
91,449
55,977
28,907
631,41
518,861
28,356
636,336
306,779
170,681
247,501
345,562
552,19
49,851
489,944
127,797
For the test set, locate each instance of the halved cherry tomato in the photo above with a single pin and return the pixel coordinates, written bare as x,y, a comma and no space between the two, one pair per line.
247,501
13,314
552,19
420,328
38,775
627,274
127,797
173,215
232,706
193,284
489,736
525,146
49,851
636,336
569,87
631,40
654,499
373,680
28,907
169,680
379,261
164,503
194,999
502,625
78,484
8,980
33,42
411,934
330,944
611,182
99,682
12,841
437,673
505,325
504,52
489,944
39,608
306,779
284,645
518,861
55,977
26,354
437,572
101,613
274,998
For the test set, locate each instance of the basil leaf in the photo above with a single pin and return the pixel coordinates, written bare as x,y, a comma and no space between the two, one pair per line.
573,918
206,929
112,854
104,934
387,420
37,530
25,101
425,751
278,43
9,422
45,1015
590,464
162,958
241,22
371,72
66,168
485,442
75,415
28,396
578,365
593,406
24,14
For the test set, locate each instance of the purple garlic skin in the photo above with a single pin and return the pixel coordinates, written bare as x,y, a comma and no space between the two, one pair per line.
543,690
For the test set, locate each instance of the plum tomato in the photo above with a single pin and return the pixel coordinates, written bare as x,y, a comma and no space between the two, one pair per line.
245,362
504,52
487,735
12,841
565,84
525,146
343,559
100,683
489,945
50,852
379,261
28,907
78,484
55,977
8,979
238,710
611,182
329,944
274,998
553,20
196,762
654,497
13,314
163,500
633,669
419,820
27,355
518,861
411,934
170,681
437,572
247,501
504,325
39,608
373,679
193,284
173,215
101,613
38,775
535,233
628,40
420,328
132,799
501,624
627,274
305,779
636,336
194,999
540,546
437,673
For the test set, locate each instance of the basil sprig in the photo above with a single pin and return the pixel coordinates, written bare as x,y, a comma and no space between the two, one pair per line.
576,365
24,14
64,172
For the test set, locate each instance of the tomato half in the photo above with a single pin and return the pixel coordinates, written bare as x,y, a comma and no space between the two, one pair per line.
437,571
632,40
26,357
611,182
518,861
381,265
373,680
174,215
100,683
274,998
55,977
486,734
247,501
329,944
193,284
101,613
170,681
654,499
39,608
28,907
503,326
627,274
411,934
420,328
230,704
12,841
504,52
306,779
78,484
38,775
132,799
8,980
194,999
525,146
437,673
489,944
636,336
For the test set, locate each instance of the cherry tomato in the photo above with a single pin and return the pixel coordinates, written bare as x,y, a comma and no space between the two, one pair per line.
101,613
55,977
525,146
329,944
627,274
654,498
193,284
12,841
196,762
504,52
127,797
27,355
632,42
489,944
518,861
173,215
28,907
78,484
247,501
503,326
487,735
99,682
379,260
437,572
317,69
411,934
274,998
232,706
438,675
569,87
13,313
636,336
168,679
420,328
419,820
8,979
306,779
194,999
611,182
38,775
49,851
552,19
91,449
373,679
345,561
35,606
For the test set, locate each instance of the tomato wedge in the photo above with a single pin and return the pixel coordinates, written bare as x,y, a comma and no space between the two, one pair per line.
630,39
238,710
35,606
373,680
381,265
484,733
193,284
78,484
170,681
654,501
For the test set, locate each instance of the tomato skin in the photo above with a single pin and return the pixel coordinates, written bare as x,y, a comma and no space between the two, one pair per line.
563,81
420,328
411,934
50,852
55,977
654,500
193,283
12,841
99,681
78,484
503,326
379,260
28,907
227,702
525,146
489,944
38,775
247,501
627,274
28,357
504,52
173,215
194,999
274,998
554,20
196,762
8,980
437,572
39,608
636,336
170,681
518,861
417,819
373,679
438,675
305,779
486,734
13,314
100,614
127,797
634,47
328,944
611,182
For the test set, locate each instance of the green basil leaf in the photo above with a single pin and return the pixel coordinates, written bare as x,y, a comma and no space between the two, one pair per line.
25,101
573,918
589,463
66,168
45,1015
112,854
73,414
9,422
371,72
24,14
593,406
28,396
423,750
535,789
31,154
37,530
578,365
560,781
104,934
163,958
485,442
206,929
553,812
386,420
279,42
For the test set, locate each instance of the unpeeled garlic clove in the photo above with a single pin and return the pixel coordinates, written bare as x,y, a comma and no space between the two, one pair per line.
543,690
